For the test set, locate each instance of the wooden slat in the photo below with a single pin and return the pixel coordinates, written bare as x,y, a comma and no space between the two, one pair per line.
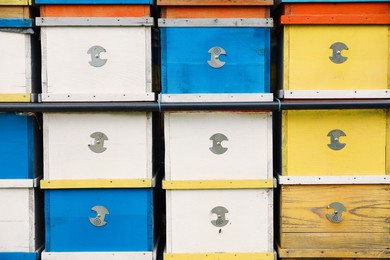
15,2
15,12
95,10
336,8
339,241
336,13
215,12
342,254
304,209
214,2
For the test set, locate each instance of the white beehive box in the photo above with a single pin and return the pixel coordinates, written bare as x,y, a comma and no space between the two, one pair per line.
97,146
15,65
20,219
96,59
218,145
245,225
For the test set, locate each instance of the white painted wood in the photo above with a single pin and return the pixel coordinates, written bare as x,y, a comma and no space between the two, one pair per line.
189,227
212,22
216,97
96,255
17,220
67,154
320,180
334,94
15,63
66,68
187,143
17,183
93,21
64,97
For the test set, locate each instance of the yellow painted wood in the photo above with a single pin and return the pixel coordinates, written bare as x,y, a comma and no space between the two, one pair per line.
334,254
305,142
365,224
217,184
307,50
15,12
81,184
15,98
221,256
15,2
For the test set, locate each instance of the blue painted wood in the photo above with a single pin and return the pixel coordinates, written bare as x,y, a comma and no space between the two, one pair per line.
129,222
91,2
17,146
15,23
185,69
18,256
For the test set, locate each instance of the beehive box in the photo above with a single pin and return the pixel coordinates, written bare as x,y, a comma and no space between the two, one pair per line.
97,146
16,2
218,145
219,224
214,9
21,224
222,54
18,146
335,50
335,142
17,78
335,221
92,2
98,67
98,220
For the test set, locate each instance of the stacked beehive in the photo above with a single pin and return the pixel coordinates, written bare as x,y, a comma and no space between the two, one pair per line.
98,167
218,164
21,234
335,193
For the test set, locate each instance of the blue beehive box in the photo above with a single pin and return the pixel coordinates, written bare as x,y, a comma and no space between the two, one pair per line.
17,149
218,56
99,220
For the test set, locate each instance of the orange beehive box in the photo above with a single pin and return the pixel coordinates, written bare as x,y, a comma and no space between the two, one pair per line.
215,8
95,10
335,13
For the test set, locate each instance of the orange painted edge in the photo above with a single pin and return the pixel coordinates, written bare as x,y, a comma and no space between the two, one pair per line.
336,8
213,2
215,12
95,10
335,19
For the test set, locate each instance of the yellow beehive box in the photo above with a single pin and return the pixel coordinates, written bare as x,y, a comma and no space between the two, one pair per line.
335,221
15,2
311,61
335,142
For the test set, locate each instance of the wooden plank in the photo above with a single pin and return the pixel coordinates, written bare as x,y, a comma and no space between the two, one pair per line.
214,2
15,12
15,2
215,12
346,241
95,10
83,184
218,256
336,8
336,13
218,184
341,254
304,209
